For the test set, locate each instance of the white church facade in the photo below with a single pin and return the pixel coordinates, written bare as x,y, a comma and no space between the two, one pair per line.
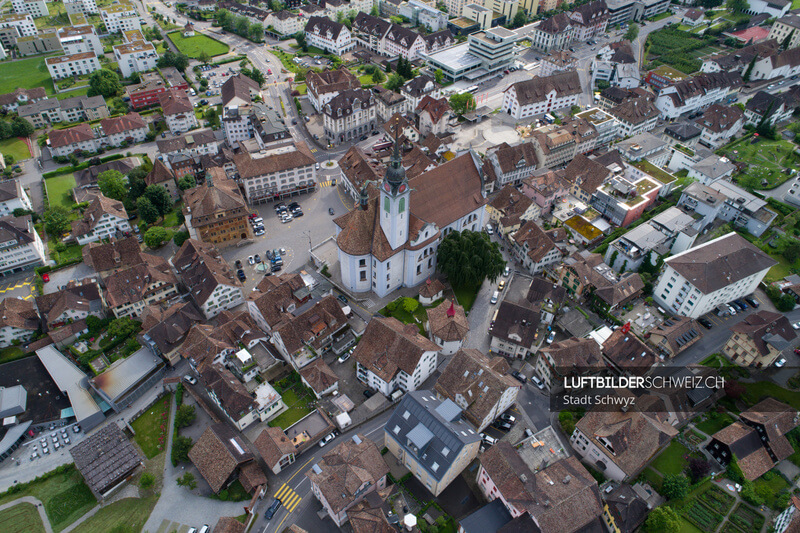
390,239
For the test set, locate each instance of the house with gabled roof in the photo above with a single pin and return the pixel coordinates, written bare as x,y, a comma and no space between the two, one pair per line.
447,326
219,455
303,336
212,284
104,218
19,321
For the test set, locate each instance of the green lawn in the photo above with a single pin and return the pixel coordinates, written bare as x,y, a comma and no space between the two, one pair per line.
192,46
755,392
25,73
22,518
653,478
72,253
366,79
69,94
296,409
714,423
671,460
795,4
767,160
770,488
15,147
124,516
418,318
151,427
171,219
466,296
12,353
59,190
234,493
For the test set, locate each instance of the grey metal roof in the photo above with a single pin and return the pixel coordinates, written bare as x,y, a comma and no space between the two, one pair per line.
13,400
488,519
416,417
70,380
13,435
124,374
449,410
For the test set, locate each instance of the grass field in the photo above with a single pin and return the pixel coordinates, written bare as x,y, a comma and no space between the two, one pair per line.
124,516
59,190
25,73
192,46
151,427
466,296
12,353
767,160
712,425
15,147
297,409
22,518
69,94
671,460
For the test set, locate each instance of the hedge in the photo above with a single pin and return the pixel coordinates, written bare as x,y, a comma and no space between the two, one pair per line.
228,60
86,164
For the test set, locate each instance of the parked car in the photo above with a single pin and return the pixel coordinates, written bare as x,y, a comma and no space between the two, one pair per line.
706,323
501,285
368,393
506,272
342,298
187,378
326,439
752,301
488,439
273,509
330,211
551,337
508,418
345,356
780,362
240,273
519,377
238,264
259,231
46,276
250,260
297,213
495,296
275,268
538,382
796,325
502,425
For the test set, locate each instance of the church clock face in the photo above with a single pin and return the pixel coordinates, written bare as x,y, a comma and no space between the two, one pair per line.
387,187
402,188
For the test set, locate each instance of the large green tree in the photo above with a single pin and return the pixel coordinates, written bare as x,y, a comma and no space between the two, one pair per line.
663,520
462,103
737,6
21,127
633,32
146,209
469,257
156,236
675,486
159,197
112,184
56,221
105,83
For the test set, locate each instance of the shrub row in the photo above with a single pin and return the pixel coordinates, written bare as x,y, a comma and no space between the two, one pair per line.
74,168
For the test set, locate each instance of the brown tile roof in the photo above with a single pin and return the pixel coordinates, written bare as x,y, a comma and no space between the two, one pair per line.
18,313
133,284
509,158
105,458
510,201
475,383
719,118
703,83
516,324
168,327
228,524
448,192
238,86
117,253
766,328
536,89
431,288
437,109
539,244
588,174
319,376
319,322
635,437
771,412
204,342
159,174
678,333
447,321
358,168
35,93
100,205
274,296
547,184
755,464
230,392
131,121
346,468
541,290
329,81
250,167
273,444
389,346
634,111
628,287
563,497
202,269
558,23
217,457
344,103
75,296
209,200
575,354
65,137
251,477
369,520
628,353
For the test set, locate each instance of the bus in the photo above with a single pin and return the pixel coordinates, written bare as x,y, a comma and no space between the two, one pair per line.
549,118
472,89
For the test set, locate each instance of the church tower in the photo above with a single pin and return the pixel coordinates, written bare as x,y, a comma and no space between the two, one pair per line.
394,199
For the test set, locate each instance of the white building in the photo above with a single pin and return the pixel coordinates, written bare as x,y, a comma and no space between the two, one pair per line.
696,281
284,22
120,17
695,94
13,196
422,14
538,96
723,200
102,220
34,8
80,138
390,241
22,248
275,171
534,249
178,111
82,7
18,321
349,115
24,24
391,357
127,129
138,56
773,8
72,65
80,39
328,35
783,27
785,64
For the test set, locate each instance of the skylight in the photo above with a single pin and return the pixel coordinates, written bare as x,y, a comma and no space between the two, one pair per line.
406,415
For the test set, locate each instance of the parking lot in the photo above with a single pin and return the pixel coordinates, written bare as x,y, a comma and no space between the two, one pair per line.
312,62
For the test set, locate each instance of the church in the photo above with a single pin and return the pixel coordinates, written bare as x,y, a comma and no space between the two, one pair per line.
390,239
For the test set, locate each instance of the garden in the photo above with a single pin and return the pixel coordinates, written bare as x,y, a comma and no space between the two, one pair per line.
768,162
59,190
673,460
409,311
708,509
197,44
676,48
714,422
298,398
127,515
16,148
151,427
21,518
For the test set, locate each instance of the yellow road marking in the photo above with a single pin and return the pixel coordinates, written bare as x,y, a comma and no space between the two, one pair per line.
293,503
282,491
299,470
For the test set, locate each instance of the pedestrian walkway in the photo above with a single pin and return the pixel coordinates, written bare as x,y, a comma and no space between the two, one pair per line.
329,183
289,498
36,503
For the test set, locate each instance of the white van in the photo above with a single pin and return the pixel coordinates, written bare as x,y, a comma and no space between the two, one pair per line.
489,229
495,296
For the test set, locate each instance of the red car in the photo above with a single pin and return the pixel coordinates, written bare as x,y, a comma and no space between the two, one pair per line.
252,215
796,350
45,277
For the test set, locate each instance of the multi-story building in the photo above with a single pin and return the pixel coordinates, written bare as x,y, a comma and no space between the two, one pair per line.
480,386
389,103
34,8
514,331
346,475
506,164
215,211
785,26
291,338
213,286
124,130
50,111
416,89
626,197
719,124
196,143
349,115
402,42
80,138
328,35
284,22
431,438
447,326
534,248
557,61
138,56
178,111
491,51
130,290
23,24
103,219
79,40
44,42
19,321
696,94
71,65
82,7
773,9
531,98
120,17
390,357
76,301
759,339
726,201
146,93
431,116
275,297
785,64
12,197
11,101
271,173
20,245
635,116
569,357
324,86
772,108
422,14
698,280
589,20
554,33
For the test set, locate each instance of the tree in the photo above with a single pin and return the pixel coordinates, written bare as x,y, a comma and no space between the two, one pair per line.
146,209
180,237
187,182
698,469
746,75
519,19
300,37
56,221
241,26
147,481
135,78
187,480
375,11
211,117
461,103
155,237
159,197
469,257
438,75
632,33
675,486
112,184
203,57
255,75
105,83
788,40
737,6
733,471
171,59
256,32
340,16
378,76
185,416
120,328
663,520
792,251
733,389
21,127
410,305
394,82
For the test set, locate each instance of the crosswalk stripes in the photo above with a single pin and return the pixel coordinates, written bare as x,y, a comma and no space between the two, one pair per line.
328,183
369,303
288,497
314,150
